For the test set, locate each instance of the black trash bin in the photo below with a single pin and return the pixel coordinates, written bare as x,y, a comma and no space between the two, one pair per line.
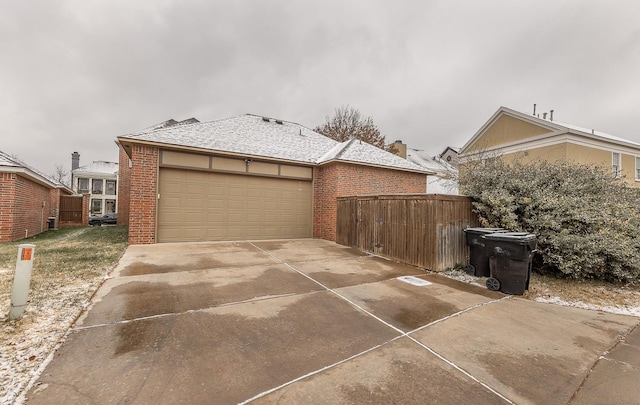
510,259
478,256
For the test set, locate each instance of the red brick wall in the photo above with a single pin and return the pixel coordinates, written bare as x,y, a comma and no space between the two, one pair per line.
7,205
124,188
24,207
143,195
54,203
343,179
33,202
86,200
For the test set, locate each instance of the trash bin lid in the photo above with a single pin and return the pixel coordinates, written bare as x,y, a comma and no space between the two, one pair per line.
512,237
484,231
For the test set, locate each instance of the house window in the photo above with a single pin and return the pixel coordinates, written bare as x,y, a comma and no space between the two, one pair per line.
111,187
83,186
96,187
615,164
109,206
637,168
96,207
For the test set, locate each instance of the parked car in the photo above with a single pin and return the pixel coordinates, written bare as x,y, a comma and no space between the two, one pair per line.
104,219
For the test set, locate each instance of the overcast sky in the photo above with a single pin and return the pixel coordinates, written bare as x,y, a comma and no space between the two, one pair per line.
75,74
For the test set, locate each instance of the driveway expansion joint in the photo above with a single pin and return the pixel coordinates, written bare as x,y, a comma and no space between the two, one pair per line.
402,334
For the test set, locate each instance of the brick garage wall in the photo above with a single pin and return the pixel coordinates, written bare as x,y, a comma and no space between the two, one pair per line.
143,193
31,208
7,205
343,179
124,187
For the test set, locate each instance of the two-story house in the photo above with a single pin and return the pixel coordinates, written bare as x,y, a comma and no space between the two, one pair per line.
513,135
100,180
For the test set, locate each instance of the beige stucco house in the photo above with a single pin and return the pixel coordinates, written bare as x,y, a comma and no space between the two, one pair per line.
513,135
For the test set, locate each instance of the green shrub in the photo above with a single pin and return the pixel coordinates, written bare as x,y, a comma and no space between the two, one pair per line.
586,221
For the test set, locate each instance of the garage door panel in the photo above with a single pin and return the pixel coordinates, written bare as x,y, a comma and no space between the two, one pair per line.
197,205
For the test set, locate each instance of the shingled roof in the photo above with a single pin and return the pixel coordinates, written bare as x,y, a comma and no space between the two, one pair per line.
256,136
12,164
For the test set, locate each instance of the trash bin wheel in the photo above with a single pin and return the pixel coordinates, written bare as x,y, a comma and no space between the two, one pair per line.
470,269
493,284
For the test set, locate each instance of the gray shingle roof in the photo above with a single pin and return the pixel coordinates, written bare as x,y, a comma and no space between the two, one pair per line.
269,138
358,151
16,165
8,161
99,167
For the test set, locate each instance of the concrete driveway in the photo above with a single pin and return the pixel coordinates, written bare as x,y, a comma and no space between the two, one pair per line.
309,321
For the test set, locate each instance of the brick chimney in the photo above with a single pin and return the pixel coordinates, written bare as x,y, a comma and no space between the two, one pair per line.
400,149
75,160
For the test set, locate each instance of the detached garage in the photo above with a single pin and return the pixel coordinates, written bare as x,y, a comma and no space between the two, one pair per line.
246,178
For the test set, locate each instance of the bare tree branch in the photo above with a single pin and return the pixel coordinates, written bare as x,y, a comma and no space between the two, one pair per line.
61,175
347,123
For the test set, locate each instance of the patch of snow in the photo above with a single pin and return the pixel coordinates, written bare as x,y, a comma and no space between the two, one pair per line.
621,310
28,342
464,277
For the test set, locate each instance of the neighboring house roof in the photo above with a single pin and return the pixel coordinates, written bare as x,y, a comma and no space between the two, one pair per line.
12,164
99,167
170,123
431,163
555,128
253,135
450,148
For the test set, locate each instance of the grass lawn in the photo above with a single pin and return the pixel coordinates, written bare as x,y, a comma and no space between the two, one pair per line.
69,265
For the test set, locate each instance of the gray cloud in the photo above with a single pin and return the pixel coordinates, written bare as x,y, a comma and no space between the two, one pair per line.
76,74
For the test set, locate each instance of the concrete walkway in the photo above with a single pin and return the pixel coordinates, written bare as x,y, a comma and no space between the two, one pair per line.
309,321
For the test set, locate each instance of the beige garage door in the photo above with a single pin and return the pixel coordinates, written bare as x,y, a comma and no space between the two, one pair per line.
202,206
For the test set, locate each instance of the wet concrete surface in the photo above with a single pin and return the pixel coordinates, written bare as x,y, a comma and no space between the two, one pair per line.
526,350
309,321
400,372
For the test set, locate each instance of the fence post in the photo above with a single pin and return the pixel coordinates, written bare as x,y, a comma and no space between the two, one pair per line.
21,280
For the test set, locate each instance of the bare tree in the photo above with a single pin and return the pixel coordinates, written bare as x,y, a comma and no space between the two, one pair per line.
347,123
61,175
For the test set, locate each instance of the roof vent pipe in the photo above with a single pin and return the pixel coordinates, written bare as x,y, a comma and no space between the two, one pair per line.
544,116
534,109
551,115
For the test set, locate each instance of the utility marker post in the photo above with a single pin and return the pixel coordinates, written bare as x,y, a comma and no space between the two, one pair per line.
21,280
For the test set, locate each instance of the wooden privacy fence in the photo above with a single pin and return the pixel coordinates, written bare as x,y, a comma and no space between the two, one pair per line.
424,230
71,210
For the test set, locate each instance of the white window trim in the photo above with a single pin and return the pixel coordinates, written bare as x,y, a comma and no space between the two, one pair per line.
616,169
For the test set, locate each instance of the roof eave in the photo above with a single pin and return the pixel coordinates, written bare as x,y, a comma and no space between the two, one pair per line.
30,174
403,169
126,143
